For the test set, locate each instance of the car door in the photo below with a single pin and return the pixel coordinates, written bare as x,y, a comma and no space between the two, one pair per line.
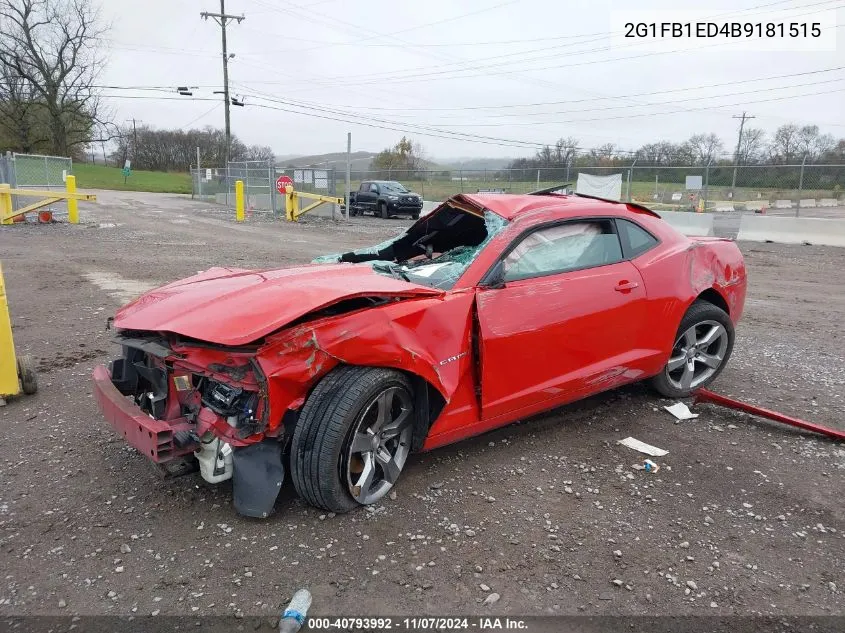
362,199
563,320
371,196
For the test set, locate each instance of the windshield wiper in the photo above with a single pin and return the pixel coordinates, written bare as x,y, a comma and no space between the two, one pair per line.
393,269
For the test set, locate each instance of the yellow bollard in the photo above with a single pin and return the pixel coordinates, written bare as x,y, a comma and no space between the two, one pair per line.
239,200
5,204
289,204
72,205
8,366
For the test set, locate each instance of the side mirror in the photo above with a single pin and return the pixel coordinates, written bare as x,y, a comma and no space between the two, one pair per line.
496,277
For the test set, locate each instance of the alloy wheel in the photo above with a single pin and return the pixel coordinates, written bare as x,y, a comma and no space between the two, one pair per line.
380,445
697,354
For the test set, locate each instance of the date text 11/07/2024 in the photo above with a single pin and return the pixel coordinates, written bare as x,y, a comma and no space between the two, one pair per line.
409,624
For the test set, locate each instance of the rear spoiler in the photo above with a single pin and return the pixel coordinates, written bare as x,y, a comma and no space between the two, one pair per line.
552,191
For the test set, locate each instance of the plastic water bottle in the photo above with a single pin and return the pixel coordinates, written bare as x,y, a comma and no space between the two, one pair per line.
294,616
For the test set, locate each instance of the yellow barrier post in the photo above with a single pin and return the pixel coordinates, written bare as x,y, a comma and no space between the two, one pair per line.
8,366
5,204
289,203
72,203
239,200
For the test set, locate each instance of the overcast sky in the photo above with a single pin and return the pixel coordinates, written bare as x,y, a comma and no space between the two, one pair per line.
440,72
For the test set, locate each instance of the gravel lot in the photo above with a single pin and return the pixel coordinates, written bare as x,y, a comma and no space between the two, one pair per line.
545,516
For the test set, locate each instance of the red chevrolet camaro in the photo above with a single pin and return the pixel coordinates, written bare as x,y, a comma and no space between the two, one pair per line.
490,309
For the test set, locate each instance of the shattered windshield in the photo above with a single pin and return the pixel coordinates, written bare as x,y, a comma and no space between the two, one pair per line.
434,252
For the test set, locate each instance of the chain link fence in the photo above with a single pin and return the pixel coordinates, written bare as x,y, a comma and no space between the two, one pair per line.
798,189
259,178
34,171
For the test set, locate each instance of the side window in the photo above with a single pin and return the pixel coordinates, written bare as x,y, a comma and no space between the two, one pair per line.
365,186
635,238
557,249
374,187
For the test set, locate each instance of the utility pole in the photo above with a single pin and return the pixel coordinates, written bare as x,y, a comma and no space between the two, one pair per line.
134,135
743,118
348,171
222,19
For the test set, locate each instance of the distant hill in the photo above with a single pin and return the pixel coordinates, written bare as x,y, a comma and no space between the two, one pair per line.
360,160
474,163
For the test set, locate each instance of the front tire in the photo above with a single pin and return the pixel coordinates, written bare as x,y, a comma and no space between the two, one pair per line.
703,345
353,437
385,214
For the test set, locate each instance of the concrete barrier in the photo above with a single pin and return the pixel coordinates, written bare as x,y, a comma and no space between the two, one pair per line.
723,207
828,202
807,203
756,205
689,223
429,206
782,204
785,230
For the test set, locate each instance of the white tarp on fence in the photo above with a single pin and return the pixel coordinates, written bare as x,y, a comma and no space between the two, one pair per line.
609,187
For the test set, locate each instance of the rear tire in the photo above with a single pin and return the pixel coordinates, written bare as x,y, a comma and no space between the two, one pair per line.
703,346
352,438
382,207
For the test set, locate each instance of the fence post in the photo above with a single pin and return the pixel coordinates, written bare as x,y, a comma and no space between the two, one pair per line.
199,175
706,184
72,205
461,178
630,172
800,186
239,200
271,181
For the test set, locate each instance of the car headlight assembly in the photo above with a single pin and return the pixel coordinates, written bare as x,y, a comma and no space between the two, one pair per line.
235,404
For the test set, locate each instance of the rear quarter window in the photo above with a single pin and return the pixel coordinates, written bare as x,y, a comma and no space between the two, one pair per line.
635,239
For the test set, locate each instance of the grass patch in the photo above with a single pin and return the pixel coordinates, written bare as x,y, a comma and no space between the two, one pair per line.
100,177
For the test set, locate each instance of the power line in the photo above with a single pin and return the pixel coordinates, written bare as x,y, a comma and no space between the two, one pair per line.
204,114
617,107
564,101
668,112
414,72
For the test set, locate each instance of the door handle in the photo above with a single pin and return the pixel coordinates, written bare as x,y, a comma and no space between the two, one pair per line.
626,286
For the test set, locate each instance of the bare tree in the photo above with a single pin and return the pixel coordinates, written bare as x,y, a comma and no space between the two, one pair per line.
565,150
705,147
21,126
51,46
260,153
785,144
603,152
751,145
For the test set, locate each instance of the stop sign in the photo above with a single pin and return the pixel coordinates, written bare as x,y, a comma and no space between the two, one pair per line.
282,182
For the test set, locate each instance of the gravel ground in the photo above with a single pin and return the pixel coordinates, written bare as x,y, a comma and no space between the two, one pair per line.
546,516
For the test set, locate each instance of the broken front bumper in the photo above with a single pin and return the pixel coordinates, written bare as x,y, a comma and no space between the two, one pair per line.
153,438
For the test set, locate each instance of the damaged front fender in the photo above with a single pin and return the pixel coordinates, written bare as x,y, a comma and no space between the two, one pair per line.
428,337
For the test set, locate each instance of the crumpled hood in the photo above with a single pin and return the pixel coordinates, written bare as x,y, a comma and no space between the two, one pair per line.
232,306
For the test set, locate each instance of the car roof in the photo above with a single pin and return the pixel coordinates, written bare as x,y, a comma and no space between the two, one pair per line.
510,206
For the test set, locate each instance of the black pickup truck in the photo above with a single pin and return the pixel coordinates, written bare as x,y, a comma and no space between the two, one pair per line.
385,198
